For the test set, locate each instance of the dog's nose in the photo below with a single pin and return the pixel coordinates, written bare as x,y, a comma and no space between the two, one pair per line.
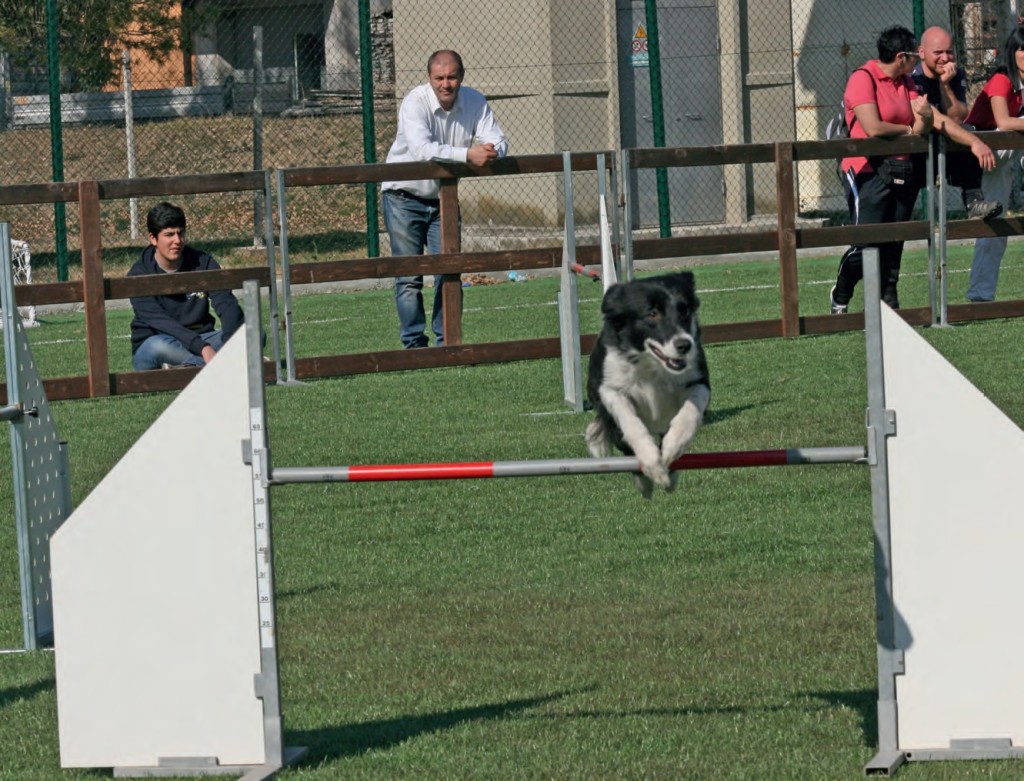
682,345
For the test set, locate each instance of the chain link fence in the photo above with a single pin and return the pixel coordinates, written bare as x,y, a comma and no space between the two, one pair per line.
239,85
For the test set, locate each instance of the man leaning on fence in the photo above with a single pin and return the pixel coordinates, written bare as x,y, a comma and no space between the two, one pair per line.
940,79
439,120
177,329
881,102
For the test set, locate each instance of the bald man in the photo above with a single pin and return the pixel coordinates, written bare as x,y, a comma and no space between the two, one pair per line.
940,79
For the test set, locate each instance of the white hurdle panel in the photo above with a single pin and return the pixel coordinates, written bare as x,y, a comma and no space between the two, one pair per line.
166,652
949,537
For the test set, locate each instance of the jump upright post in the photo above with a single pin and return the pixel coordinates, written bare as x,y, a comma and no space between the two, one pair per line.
568,290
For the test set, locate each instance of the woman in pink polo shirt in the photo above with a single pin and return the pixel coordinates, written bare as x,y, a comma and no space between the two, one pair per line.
881,101
997,108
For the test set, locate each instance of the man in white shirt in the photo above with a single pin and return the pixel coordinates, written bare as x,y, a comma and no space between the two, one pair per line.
442,120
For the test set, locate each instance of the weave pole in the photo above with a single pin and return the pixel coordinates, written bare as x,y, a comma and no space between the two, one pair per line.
560,466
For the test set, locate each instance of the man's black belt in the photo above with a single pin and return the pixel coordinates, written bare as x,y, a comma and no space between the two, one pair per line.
413,196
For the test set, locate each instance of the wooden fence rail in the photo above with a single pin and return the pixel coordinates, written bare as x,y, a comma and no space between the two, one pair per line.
94,290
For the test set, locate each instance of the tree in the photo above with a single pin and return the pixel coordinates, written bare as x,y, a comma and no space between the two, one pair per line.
92,35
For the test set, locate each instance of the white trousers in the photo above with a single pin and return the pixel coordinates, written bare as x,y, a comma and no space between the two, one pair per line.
997,185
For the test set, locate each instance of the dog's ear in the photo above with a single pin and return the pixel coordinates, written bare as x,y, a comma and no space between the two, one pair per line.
685,281
613,298
686,284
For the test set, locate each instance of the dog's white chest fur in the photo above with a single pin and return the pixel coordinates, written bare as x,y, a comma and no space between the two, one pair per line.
656,394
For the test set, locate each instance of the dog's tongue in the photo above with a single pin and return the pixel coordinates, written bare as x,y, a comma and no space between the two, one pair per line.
673,364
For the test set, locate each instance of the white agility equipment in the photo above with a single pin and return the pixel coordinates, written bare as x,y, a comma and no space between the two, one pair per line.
163,596
41,483
21,263
568,290
164,610
946,503
958,542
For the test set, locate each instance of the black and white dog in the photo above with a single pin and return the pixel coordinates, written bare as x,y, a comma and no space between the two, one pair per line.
648,377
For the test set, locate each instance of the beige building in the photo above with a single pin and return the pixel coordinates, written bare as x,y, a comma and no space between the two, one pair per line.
571,75
575,74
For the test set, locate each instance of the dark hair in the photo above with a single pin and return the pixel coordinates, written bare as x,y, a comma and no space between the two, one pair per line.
893,40
1014,43
446,54
164,215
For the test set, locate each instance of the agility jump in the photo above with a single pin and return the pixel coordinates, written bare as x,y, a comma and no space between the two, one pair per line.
554,467
949,666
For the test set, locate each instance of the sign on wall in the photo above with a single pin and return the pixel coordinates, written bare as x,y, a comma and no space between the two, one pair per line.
639,55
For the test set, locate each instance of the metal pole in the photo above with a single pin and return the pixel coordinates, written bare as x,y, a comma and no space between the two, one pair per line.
561,466
60,228
369,128
930,196
257,131
568,300
268,239
286,289
129,132
880,426
657,113
943,220
627,218
918,18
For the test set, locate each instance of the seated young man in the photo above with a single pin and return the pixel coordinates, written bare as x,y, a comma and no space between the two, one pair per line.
177,329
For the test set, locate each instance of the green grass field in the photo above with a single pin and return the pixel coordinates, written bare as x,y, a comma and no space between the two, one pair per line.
549,628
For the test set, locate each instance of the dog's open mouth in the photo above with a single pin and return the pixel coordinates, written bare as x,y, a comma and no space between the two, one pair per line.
672,364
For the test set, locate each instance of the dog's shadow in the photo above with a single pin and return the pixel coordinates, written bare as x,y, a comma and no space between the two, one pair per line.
718,414
348,740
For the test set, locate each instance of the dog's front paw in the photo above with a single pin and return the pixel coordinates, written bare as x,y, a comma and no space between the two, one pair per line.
645,486
673,480
658,474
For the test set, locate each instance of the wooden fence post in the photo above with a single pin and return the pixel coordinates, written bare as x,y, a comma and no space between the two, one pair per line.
92,289
451,243
785,187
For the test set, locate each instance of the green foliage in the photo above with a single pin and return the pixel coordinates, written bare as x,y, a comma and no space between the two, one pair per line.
92,35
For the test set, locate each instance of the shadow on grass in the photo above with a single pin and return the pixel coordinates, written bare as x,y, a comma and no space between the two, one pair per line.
863,702
25,691
717,415
350,740
307,591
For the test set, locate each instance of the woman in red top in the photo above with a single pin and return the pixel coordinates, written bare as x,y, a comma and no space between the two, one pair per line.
997,108
881,101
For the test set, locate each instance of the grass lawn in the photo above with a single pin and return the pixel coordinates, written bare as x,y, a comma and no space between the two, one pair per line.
549,628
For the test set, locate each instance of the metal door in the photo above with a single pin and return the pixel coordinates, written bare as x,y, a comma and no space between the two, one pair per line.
692,98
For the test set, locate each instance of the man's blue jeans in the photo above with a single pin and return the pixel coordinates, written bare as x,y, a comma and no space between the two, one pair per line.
414,225
161,348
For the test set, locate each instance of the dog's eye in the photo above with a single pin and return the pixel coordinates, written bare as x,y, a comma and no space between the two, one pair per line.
653,315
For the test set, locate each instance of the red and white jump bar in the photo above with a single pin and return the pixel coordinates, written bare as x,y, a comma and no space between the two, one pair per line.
560,466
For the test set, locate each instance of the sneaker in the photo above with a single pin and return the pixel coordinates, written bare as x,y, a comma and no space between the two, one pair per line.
836,309
984,210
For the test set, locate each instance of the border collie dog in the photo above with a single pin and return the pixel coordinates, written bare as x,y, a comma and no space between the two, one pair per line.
648,377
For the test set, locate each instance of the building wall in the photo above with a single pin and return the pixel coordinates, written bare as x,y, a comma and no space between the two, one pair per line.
550,85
